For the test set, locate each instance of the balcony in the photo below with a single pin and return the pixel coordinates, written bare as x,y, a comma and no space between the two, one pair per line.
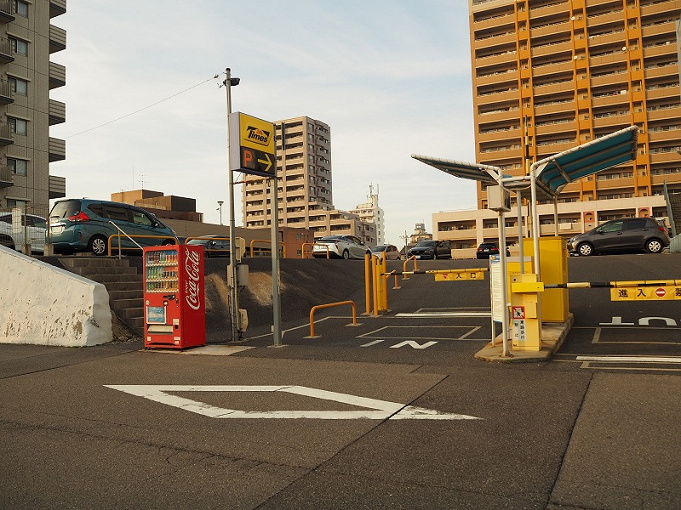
57,75
57,187
5,52
57,39
57,7
6,11
57,113
5,134
5,93
6,176
57,149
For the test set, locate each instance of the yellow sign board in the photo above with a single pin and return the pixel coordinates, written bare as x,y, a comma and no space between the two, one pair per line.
254,152
651,293
458,276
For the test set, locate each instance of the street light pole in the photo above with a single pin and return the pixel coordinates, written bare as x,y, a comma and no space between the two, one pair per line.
234,291
220,202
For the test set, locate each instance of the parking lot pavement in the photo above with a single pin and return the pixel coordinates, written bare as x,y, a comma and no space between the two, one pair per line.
158,429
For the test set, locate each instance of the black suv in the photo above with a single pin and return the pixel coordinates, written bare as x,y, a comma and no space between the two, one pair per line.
431,249
621,235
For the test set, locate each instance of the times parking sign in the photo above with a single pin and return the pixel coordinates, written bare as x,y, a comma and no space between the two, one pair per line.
251,145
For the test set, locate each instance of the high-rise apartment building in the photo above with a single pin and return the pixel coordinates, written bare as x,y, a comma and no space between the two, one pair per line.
552,74
549,75
304,191
370,212
303,148
27,40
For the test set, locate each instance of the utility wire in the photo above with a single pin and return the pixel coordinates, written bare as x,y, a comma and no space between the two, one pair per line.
142,109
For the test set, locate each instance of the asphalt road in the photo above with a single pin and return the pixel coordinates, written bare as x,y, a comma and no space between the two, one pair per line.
391,413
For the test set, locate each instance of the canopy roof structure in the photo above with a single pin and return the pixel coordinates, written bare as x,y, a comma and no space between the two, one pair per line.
485,173
555,172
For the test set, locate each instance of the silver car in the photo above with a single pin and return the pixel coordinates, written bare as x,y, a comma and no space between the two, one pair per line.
340,246
12,236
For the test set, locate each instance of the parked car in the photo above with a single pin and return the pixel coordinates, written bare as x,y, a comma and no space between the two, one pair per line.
340,246
431,249
84,224
213,245
621,235
34,226
485,250
388,251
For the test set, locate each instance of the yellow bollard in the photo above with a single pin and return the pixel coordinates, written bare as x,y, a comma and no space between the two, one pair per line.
367,282
374,274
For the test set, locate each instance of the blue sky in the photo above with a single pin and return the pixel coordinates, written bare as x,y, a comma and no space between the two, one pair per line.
390,78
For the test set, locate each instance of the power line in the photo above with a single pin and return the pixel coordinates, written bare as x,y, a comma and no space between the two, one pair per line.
142,109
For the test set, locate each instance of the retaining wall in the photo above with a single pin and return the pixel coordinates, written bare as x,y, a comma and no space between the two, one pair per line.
45,305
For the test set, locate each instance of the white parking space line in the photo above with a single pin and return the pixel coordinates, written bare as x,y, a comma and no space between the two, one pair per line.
431,315
369,408
631,359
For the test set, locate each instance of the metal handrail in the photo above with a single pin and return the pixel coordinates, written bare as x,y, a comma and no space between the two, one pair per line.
302,249
130,236
120,230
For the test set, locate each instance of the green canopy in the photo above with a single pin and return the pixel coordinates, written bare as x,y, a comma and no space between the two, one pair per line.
554,172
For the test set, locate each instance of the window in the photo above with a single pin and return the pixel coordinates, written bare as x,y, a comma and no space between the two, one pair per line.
18,46
139,218
21,8
19,86
18,166
19,126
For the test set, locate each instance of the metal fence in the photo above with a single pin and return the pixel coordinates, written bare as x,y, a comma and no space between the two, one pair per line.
24,228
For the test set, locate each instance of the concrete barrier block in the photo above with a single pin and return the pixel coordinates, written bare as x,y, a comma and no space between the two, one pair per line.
45,305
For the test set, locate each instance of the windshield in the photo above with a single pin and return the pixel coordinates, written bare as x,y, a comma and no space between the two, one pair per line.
425,242
379,248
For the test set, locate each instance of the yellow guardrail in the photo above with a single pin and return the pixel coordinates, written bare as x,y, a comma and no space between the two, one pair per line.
266,241
302,249
329,305
132,237
404,267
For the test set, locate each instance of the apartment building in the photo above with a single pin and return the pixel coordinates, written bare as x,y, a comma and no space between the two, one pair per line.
549,75
304,192
27,74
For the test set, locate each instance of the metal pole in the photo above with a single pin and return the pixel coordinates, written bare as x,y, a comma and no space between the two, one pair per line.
276,293
234,291
521,244
504,293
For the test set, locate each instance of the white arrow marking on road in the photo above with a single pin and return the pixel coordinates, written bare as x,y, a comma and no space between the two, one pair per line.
413,345
374,409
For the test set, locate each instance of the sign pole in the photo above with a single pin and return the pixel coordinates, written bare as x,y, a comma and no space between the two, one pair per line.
234,291
276,294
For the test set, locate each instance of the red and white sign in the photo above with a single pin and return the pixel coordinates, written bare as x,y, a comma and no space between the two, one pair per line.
660,292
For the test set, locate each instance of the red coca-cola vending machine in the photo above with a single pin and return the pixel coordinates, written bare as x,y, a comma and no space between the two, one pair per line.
174,304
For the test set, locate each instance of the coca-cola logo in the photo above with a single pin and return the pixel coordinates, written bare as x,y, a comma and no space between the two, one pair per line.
192,288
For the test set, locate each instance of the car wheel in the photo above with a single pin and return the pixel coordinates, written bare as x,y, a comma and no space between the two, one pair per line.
7,241
346,254
654,246
98,245
585,249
